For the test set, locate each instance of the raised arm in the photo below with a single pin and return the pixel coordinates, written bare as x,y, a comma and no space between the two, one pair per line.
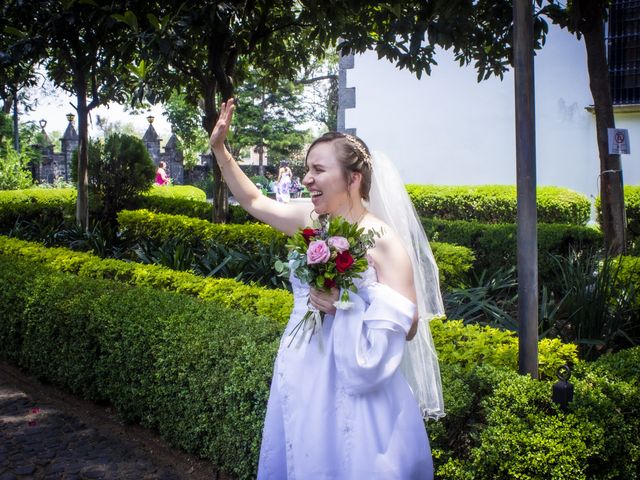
284,217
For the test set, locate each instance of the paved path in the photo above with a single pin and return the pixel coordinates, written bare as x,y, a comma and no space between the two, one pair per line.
40,441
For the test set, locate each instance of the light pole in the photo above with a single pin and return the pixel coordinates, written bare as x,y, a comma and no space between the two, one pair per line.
526,186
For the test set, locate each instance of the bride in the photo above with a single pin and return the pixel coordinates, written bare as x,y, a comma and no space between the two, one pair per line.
354,408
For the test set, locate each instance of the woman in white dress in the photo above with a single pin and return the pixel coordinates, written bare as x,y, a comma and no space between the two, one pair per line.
341,407
283,193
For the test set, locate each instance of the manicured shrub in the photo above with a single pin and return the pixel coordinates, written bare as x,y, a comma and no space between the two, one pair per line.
146,224
502,425
51,205
453,261
197,372
276,304
471,345
120,169
494,245
497,203
632,207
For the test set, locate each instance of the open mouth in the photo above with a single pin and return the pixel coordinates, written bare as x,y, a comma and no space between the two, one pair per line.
315,194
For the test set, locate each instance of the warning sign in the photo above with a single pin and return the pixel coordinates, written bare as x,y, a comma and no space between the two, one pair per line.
618,141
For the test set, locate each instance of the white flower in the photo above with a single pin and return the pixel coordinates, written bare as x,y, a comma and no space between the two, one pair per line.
343,305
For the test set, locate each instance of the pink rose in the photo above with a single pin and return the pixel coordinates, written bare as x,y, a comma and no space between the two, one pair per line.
339,243
318,252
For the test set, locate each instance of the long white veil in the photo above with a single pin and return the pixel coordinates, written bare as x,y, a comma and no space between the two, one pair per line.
389,201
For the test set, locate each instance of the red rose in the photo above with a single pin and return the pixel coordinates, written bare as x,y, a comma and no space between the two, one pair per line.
344,261
329,283
307,233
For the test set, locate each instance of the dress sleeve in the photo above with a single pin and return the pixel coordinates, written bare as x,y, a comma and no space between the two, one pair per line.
369,338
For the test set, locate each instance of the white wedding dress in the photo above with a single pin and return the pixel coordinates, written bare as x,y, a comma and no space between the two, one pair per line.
346,411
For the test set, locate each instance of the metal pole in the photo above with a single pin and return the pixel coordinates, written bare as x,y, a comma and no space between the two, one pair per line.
526,185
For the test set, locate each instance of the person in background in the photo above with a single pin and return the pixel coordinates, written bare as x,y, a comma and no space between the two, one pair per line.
161,175
284,183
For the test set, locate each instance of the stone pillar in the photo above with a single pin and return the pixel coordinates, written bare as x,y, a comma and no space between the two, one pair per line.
69,145
174,160
346,95
152,141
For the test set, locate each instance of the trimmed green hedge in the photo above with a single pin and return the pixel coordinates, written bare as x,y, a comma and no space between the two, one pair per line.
57,203
505,425
200,374
497,203
629,273
159,226
196,372
494,245
632,207
470,346
35,204
273,303
453,261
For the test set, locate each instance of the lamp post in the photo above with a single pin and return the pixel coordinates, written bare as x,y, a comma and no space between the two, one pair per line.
150,119
70,118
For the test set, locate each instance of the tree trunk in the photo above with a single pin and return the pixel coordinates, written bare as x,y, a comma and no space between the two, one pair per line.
219,187
16,127
261,159
7,105
611,188
82,203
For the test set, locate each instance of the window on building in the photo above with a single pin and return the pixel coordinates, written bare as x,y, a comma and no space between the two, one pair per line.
624,51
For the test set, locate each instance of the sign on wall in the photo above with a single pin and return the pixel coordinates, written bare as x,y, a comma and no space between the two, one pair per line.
618,141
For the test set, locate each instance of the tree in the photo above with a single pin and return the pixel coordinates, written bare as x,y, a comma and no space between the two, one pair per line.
206,50
321,82
17,69
267,119
586,18
120,170
86,53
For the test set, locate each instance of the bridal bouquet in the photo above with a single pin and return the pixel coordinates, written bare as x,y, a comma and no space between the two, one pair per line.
331,255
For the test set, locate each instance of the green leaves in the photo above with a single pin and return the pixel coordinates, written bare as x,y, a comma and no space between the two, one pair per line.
129,18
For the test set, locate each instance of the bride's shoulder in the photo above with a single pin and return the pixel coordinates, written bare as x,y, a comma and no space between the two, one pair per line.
389,256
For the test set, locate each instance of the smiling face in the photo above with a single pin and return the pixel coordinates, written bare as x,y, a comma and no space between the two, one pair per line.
325,179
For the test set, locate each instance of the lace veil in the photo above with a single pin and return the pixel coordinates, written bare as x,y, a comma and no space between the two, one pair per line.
389,201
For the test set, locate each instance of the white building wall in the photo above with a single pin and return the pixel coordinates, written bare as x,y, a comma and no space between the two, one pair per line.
448,129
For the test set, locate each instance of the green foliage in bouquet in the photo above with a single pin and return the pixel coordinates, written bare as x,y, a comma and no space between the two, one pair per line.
329,268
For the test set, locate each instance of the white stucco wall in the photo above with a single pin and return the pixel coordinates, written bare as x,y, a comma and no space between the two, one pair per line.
449,129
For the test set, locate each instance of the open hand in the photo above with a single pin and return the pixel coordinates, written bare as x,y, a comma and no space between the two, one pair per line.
323,300
220,130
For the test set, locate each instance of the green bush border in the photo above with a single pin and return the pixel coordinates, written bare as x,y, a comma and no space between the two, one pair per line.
497,203
494,245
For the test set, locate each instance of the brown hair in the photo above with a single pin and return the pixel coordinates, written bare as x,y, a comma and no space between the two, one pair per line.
353,154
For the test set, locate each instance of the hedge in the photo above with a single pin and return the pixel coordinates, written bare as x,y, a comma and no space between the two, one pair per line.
629,273
160,226
632,208
506,425
453,261
273,303
200,373
36,204
494,245
196,372
497,203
